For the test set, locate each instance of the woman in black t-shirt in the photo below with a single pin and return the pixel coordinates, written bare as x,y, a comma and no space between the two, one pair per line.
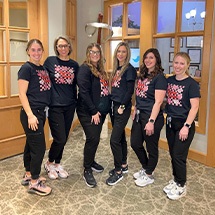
148,118
34,93
93,105
122,87
182,106
62,71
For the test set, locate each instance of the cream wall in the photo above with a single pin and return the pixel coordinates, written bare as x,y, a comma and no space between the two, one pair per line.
56,21
86,13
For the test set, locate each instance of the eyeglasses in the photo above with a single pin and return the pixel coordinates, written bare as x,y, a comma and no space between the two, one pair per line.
94,52
63,46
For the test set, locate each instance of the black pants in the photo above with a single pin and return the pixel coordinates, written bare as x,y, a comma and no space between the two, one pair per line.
35,143
92,133
148,157
60,121
179,149
118,141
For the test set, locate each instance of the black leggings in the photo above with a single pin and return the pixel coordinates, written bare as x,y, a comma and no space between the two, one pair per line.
35,143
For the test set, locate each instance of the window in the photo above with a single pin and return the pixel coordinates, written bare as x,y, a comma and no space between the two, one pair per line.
125,19
183,34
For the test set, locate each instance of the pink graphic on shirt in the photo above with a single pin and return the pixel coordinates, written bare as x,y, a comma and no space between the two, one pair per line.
116,79
104,87
174,94
44,80
64,74
142,88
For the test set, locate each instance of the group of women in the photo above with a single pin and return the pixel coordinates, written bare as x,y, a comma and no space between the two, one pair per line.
54,85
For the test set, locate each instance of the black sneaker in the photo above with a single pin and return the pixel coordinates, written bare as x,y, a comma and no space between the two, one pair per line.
114,179
97,167
89,178
124,170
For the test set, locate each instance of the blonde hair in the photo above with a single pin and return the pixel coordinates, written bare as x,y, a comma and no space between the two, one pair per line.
186,58
99,70
116,61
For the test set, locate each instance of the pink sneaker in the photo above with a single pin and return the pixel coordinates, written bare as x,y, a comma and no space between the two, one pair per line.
39,188
61,172
50,169
26,179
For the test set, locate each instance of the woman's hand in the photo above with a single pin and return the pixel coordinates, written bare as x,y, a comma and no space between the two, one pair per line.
33,122
183,134
96,118
149,128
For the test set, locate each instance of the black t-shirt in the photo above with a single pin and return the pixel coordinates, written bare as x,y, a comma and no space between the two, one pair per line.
145,92
179,94
123,87
63,78
39,86
91,89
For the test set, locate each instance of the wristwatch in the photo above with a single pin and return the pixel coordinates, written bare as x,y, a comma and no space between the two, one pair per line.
187,125
152,121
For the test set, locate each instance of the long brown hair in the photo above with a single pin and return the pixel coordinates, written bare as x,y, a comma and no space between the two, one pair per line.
99,70
158,67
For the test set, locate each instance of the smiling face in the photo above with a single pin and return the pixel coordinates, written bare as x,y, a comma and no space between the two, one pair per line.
180,66
150,61
122,55
63,48
35,52
95,55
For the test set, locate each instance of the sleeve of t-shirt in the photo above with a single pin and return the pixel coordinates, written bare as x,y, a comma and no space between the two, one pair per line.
84,82
75,80
161,83
24,73
194,91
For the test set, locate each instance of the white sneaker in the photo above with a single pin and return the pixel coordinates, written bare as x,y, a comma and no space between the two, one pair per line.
145,180
177,192
50,169
60,171
139,174
169,187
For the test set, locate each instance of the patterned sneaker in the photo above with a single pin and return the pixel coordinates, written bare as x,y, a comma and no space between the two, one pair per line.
169,187
97,167
50,169
145,180
26,179
139,174
61,172
124,170
177,192
114,179
39,188
89,178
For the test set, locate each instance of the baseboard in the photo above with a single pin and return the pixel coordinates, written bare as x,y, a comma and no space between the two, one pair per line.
193,154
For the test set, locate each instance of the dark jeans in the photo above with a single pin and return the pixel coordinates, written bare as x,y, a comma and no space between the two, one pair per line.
60,121
179,149
35,143
148,157
118,141
92,133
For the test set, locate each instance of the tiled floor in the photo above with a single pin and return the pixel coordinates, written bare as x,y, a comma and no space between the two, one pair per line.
72,196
